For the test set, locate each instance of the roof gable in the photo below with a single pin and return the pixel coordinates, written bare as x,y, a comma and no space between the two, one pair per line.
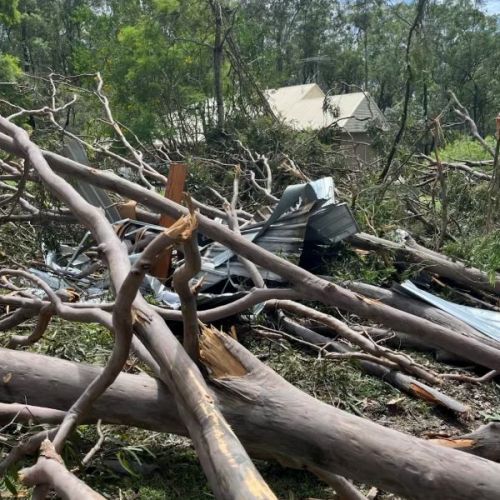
302,107
284,97
355,111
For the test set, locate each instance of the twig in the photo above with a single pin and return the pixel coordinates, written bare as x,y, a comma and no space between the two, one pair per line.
88,457
367,345
472,380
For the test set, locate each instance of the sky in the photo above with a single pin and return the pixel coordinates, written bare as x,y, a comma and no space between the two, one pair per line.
493,6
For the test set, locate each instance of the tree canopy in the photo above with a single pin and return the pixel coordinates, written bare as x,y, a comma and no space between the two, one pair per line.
156,56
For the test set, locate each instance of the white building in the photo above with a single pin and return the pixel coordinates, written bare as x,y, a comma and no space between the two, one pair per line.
307,107
302,107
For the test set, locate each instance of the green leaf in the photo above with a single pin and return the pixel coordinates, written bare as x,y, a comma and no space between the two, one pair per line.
10,485
125,464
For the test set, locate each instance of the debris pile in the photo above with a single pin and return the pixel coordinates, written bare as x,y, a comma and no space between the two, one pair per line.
198,264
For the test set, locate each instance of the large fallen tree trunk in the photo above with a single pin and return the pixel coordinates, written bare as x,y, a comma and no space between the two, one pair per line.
305,283
272,418
434,262
228,468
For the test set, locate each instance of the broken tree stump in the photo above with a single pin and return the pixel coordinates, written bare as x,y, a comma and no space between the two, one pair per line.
174,191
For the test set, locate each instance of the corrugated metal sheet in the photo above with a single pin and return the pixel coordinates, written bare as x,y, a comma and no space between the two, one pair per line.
305,211
92,194
484,321
332,223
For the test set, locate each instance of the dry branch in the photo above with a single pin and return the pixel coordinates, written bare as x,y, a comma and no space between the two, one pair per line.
354,337
484,442
304,282
182,276
462,112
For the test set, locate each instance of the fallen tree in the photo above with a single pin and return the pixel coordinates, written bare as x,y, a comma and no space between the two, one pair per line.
225,462
234,405
256,403
411,252
418,308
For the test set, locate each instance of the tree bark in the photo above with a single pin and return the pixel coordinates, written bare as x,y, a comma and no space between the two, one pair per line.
272,418
455,271
50,471
484,442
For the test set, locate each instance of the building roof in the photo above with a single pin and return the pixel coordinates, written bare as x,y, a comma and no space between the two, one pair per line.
287,96
303,107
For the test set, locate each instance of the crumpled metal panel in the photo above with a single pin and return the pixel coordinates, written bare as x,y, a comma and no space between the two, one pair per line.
484,321
305,212
331,224
92,194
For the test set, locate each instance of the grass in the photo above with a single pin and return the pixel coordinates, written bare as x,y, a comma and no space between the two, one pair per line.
466,148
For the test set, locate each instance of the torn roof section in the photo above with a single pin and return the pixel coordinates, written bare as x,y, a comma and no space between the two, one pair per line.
305,212
484,321
303,107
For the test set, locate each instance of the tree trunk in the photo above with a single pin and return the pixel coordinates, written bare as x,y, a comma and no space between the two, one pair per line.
218,63
455,271
417,308
484,442
272,418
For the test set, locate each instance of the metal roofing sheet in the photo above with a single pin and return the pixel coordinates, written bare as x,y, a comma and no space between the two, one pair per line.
92,194
486,322
305,211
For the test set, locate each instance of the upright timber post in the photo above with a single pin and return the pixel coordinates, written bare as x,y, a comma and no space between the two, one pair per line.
173,191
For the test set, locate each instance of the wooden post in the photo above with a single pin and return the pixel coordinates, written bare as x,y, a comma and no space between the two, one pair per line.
173,191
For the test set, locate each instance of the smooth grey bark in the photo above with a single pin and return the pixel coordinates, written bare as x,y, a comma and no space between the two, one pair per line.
434,262
273,420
